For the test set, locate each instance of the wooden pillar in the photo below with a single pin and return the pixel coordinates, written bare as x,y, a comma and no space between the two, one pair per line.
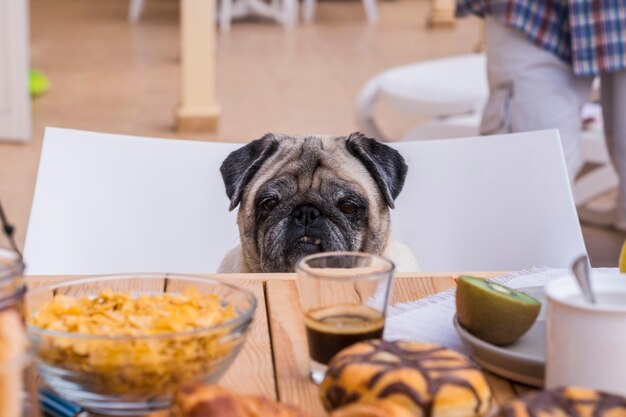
198,109
442,13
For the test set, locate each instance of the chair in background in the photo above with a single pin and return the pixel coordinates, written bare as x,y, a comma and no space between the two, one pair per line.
432,89
450,94
117,204
112,204
283,11
488,203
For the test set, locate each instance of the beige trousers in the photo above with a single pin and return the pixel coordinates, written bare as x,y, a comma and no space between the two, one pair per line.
532,89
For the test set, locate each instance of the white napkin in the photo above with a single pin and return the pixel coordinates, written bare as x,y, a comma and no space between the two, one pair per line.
430,319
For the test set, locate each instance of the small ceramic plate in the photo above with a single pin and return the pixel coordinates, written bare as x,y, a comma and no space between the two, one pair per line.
524,360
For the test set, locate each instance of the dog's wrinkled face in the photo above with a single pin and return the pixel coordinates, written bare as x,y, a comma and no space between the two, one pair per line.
303,195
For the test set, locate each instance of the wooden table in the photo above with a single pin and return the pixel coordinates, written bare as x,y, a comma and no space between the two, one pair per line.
274,360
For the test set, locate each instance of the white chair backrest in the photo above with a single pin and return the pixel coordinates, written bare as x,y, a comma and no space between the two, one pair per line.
113,204
488,203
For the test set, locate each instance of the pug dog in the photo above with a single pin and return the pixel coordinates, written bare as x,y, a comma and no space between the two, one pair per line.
300,195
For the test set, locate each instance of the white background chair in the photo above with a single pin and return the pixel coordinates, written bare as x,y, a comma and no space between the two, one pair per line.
283,11
488,203
113,204
429,89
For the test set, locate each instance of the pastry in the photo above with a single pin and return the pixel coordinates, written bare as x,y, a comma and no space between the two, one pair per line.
429,380
493,312
566,402
215,401
380,408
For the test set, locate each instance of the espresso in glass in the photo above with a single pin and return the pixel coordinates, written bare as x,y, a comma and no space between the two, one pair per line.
330,329
344,299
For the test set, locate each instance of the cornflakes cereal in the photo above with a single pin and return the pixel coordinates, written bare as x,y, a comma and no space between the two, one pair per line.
146,355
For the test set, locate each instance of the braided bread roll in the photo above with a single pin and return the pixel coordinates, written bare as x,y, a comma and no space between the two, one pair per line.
566,402
215,401
428,380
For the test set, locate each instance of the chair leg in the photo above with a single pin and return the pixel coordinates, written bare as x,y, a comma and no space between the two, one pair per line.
290,13
308,10
135,9
371,10
226,15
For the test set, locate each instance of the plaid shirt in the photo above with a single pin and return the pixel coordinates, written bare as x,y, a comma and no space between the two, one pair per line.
588,34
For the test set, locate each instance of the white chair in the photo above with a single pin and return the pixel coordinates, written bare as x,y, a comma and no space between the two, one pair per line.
488,203
450,94
282,11
112,204
429,89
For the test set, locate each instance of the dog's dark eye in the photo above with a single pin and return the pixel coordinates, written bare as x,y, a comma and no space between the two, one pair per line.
269,204
348,208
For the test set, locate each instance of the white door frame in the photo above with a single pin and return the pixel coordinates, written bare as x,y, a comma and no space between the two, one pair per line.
15,106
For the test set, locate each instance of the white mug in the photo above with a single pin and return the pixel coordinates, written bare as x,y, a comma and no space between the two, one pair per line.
586,344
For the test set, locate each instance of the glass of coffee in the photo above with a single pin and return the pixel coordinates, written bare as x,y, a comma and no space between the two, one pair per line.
344,297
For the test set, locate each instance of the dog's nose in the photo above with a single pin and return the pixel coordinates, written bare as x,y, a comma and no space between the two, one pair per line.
305,213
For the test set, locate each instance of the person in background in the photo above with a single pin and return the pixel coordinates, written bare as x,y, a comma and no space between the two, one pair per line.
542,57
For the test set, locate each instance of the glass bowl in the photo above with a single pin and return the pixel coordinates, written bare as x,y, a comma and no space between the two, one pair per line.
133,375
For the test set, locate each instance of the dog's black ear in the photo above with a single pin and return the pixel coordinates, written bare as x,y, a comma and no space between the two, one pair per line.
384,163
241,165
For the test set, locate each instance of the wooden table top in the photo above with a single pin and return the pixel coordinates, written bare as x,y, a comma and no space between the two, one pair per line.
274,361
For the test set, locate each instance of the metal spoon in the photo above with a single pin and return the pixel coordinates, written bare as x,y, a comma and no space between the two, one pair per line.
580,268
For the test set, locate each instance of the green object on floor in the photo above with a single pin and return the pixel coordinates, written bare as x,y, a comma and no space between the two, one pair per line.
39,83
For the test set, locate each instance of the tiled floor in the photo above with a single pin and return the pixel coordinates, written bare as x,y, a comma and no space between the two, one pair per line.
111,76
